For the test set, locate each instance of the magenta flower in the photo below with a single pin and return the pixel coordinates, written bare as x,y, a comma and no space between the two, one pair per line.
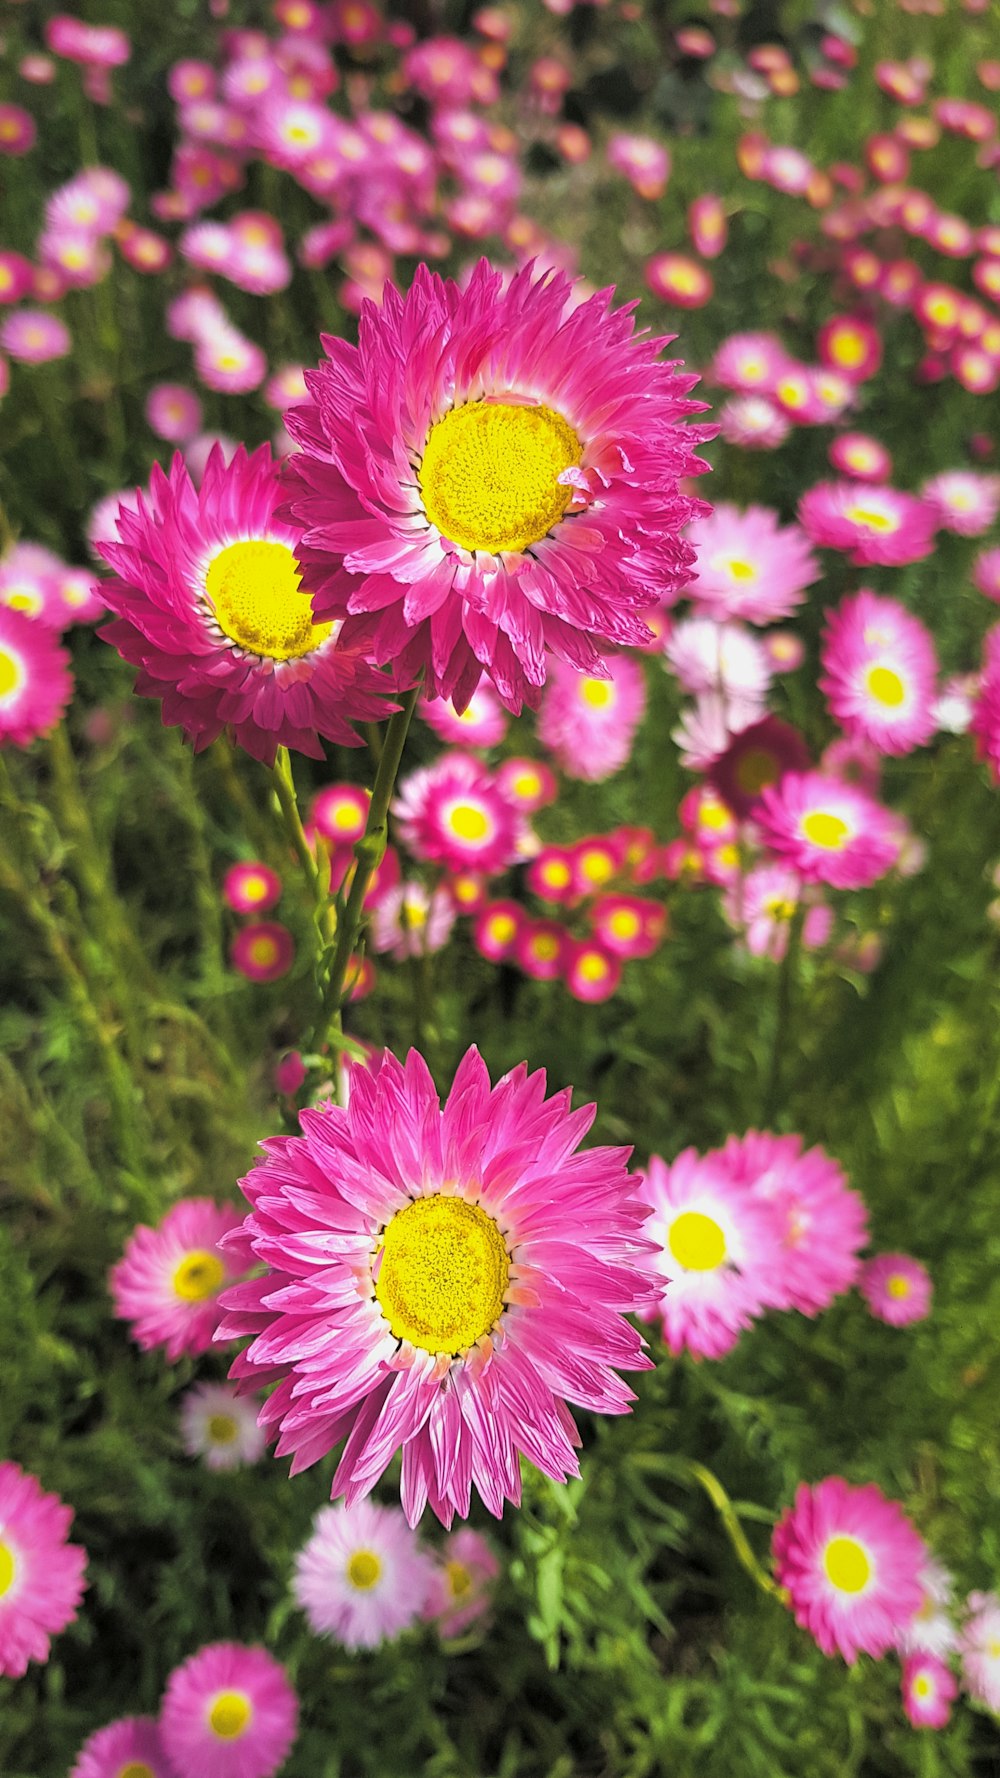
453,813
263,952
35,681
985,723
828,830
879,673
864,459
33,336
208,606
979,1648
929,1690
168,1280
442,1282
851,1562
173,412
228,1712
129,1748
462,1582
897,1288
872,524
590,723
483,722
41,1575
362,1577
823,1223
251,888
963,501
411,921
18,130
492,474
749,566
756,757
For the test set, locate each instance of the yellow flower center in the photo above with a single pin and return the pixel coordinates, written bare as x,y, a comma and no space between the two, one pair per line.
779,908
849,349
826,830
898,1286
597,693
489,475
867,515
756,770
545,946
714,816
886,687
230,1715
597,867
557,874
742,570
459,1579
469,823
922,1686
27,599
363,1569
413,915
443,1274
696,1241
526,784
222,1429
8,1568
253,589
199,1275
502,928
136,1768
846,1565
254,888
624,923
592,967
11,674
263,952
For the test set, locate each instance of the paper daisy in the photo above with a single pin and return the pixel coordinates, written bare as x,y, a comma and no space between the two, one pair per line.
755,758
41,1575
824,1223
851,1562
220,1426
897,1288
879,673
442,1281
411,921
251,888
208,605
748,565
362,1578
932,1630
491,475
228,1712
929,1690
168,1280
129,1748
828,830
263,952
462,1582
590,724
483,722
35,681
453,813
979,1649
873,524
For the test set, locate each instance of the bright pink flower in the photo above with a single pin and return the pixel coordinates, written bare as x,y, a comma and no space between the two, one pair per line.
749,566
864,459
263,951
208,606
483,722
551,875
447,1278
762,905
41,1575
462,1582
228,362
496,930
897,1288
750,363
35,681
851,345
15,276
251,888
128,1748
590,723
677,279
173,412
410,922
725,657
627,925
645,163
963,501
527,783
453,394
228,1712
168,1280
851,1562
873,524
32,336
986,574
753,423
879,673
932,1631
828,830
707,225
219,1425
362,1577
541,948
93,46
340,812
824,1224
929,1689
453,813
18,130
756,757
979,1646
592,971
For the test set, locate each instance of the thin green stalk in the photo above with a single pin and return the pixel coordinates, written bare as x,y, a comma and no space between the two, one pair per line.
687,1469
782,1038
288,803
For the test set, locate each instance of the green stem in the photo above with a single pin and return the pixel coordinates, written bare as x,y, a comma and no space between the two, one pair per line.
288,803
787,977
730,1524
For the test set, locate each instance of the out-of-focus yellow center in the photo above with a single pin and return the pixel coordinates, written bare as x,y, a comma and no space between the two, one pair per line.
742,570
254,888
8,1568
222,1429
253,589
502,928
413,916
826,830
27,599
714,816
557,874
624,923
886,687
597,693
779,908
489,475
469,823
545,946
526,784
922,1686
459,1579
592,967
443,1275
898,1286
696,1241
230,1715
756,770
872,519
849,349
199,1275
136,1768
597,867
11,674
846,1565
363,1569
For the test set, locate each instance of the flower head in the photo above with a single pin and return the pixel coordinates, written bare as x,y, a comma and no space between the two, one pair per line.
759,755
411,921
897,1288
220,1426
748,565
362,1577
590,723
129,1748
874,524
168,1280
879,672
483,722
462,1582
251,888
929,1689
35,681
492,475
453,813
979,1648
228,1712
263,951
41,1575
442,1281
851,1562
208,605
823,1222
830,831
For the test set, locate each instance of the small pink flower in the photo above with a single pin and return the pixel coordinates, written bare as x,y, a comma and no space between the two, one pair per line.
897,1288
864,459
851,1563
453,813
173,412
963,501
986,574
528,783
41,1575
758,756
18,130
168,1280
753,423
228,1712
35,682
290,1074
929,1689
220,1426
879,673
483,722
130,1746
590,723
362,1577
851,345
979,1648
462,1582
750,363
32,336
873,524
749,566
679,280
592,972
829,831
410,922
496,930
263,951
823,1223
645,163
251,888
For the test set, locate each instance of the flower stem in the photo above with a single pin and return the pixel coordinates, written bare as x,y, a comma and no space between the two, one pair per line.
787,979
284,789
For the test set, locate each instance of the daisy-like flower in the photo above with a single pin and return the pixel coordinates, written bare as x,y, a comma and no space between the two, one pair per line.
963,501
497,929
228,1712
897,1288
340,812
483,722
829,831
979,1648
872,524
168,1280
362,1578
851,1562
749,566
491,475
864,459
879,672
442,1281
985,724
929,1688
462,1582
208,605
851,345
220,1426
718,657
753,423
41,1575
453,813
263,952
589,723
251,888
129,1748
932,1629
986,574
750,362
528,783
824,1224
754,758
719,1250
35,680
409,921
762,905
33,336
173,412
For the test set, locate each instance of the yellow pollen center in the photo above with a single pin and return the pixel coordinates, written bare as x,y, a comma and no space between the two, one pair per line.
263,952
489,475
222,1429
756,770
545,947
696,1241
592,967
557,875
779,908
414,916
526,784
363,1569
136,1768
597,867
742,570
11,674
866,515
459,1579
254,888
714,816
922,1686
469,823
443,1275
199,1275
230,1715
597,693
849,349
503,928
826,830
624,923
886,687
846,1565
898,1286
253,589
8,1568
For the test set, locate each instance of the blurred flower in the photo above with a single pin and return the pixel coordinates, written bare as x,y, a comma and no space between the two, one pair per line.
462,1582
41,1575
130,1745
528,783
409,921
592,971
757,756
828,830
251,888
453,813
18,130
748,566
362,1577
483,722
589,724
228,1712
676,279
32,336
963,501
875,524
263,952
985,724
851,1562
645,163
897,1288
823,1223
221,1426
863,458
979,1649
879,671
35,681
168,1280
173,412
929,1689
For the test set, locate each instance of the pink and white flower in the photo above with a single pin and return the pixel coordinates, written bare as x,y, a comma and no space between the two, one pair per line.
897,1288
749,566
851,1563
879,672
828,830
228,1712
168,1280
590,722
362,1577
41,1575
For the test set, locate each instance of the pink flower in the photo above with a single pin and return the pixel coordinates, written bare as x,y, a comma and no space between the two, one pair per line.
340,812
251,888
442,1281
263,951
897,1288
590,723
726,658
496,930
462,1582
929,1689
541,949
828,830
483,722
979,1648
986,574
362,1577
451,395
757,756
18,130
627,925
527,783
851,345
879,673
985,724
130,1745
208,606
864,459
753,423
851,1562
875,524
963,501
750,363
592,971
168,1280
410,922
763,904
454,814
41,1575
173,412
823,1223
645,163
220,1426
228,1712
749,566
675,278
33,336
932,1631
35,682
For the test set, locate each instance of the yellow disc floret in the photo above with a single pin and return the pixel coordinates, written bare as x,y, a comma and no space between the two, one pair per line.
886,687
826,830
136,1768
468,822
199,1275
8,1568
363,1569
11,674
253,590
230,1715
443,1274
222,1429
490,474
870,517
846,1565
696,1241
742,570
898,1286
